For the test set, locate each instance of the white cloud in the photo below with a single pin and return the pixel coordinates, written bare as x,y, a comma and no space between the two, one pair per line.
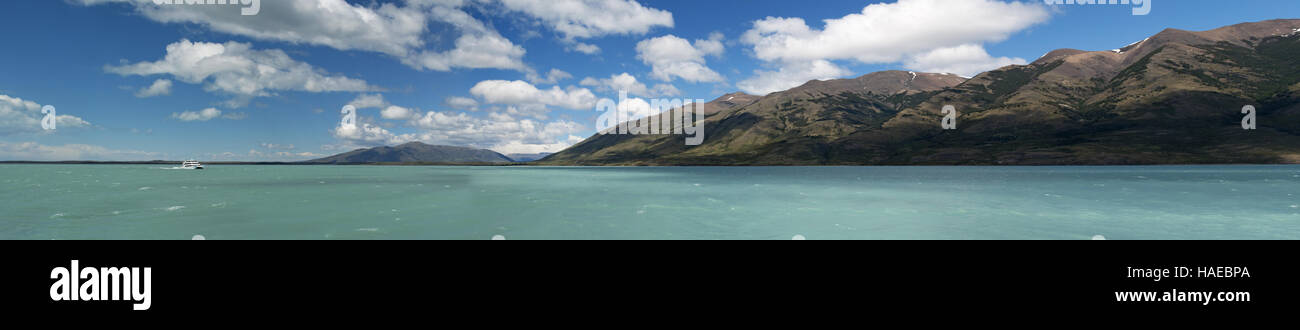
916,30
204,115
497,131
585,48
673,57
394,112
369,135
551,78
517,147
274,146
581,19
462,103
398,31
789,76
964,60
527,98
367,101
386,29
886,32
627,82
38,152
158,88
237,69
711,46
472,52
387,110
256,155
18,116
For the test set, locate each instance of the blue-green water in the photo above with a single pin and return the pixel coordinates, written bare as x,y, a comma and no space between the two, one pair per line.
360,202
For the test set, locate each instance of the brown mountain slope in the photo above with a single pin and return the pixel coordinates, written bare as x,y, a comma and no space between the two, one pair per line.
1173,98
781,127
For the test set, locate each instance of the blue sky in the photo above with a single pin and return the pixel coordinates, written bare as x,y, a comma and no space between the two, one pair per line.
515,76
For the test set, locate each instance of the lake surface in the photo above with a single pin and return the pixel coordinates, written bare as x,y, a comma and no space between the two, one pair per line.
42,202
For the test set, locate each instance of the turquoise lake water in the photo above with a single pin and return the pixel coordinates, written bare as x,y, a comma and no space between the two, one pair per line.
42,202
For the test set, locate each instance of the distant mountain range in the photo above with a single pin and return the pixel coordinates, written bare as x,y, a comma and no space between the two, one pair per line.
415,152
1174,98
529,157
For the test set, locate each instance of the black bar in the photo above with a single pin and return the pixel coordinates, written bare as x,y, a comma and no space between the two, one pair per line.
455,280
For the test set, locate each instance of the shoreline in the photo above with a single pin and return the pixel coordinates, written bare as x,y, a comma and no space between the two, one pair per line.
529,164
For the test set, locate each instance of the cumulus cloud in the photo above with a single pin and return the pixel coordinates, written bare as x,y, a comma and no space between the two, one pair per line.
581,19
584,48
551,78
333,23
498,131
394,112
19,116
368,135
712,46
518,147
158,88
400,31
886,32
525,98
201,115
672,57
207,114
472,52
367,101
38,152
964,60
627,82
237,69
386,110
921,31
790,75
462,103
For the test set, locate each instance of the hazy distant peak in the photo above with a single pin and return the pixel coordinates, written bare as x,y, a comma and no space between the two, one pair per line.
416,152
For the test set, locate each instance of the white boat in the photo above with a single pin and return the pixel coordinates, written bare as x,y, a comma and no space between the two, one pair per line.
191,165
